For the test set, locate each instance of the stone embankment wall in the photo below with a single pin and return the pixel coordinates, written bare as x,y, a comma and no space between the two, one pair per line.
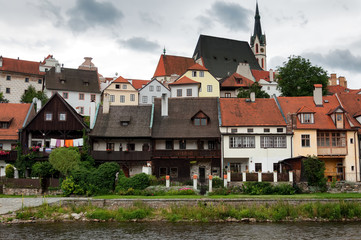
28,191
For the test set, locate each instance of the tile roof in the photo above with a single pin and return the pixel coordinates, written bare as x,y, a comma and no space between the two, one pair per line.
16,112
197,67
235,81
178,123
239,112
260,74
108,125
169,65
76,80
352,104
120,79
20,66
183,81
291,105
341,90
138,84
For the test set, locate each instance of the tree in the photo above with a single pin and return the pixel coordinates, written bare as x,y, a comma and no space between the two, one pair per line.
65,160
31,93
3,99
314,170
256,88
298,76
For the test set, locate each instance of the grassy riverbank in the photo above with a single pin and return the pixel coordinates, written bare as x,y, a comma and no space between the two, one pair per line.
280,211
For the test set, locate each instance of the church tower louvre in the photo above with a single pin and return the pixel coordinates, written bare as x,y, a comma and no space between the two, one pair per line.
258,41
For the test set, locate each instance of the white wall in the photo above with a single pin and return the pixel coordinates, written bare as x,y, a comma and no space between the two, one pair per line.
184,88
150,94
101,145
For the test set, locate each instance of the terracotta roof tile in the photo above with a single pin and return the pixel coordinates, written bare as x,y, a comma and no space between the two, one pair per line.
169,65
239,112
120,79
138,84
16,112
183,81
197,67
236,80
305,109
352,104
341,90
21,66
260,74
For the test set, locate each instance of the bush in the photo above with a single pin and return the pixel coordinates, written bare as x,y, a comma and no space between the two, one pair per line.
104,176
42,169
68,186
217,182
284,189
257,188
314,170
138,182
9,171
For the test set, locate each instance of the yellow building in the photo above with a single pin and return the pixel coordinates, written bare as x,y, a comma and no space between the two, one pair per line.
209,84
121,93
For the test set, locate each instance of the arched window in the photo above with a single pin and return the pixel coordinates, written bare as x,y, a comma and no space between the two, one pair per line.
256,48
262,63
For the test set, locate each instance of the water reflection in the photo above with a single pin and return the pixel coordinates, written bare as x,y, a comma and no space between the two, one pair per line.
160,230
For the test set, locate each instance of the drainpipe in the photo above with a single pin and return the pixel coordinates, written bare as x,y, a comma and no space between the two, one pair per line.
356,157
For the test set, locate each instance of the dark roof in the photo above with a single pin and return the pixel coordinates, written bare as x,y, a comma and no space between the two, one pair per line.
258,29
178,124
108,125
76,80
222,56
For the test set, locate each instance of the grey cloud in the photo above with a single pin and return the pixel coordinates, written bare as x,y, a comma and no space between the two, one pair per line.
140,44
90,13
338,58
148,19
51,12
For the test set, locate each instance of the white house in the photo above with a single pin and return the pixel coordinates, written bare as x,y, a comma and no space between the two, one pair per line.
154,89
184,87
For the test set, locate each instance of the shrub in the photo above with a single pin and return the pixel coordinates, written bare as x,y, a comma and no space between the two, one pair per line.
104,176
284,189
42,169
314,170
9,171
68,186
138,182
257,188
220,191
217,182
65,160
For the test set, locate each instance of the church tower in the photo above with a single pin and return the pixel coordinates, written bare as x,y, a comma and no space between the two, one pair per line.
258,41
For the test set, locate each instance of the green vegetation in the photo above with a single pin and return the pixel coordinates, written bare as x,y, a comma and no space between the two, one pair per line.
9,171
256,88
265,188
314,171
2,98
297,77
65,160
31,93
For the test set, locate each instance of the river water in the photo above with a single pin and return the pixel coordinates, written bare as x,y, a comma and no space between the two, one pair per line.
184,231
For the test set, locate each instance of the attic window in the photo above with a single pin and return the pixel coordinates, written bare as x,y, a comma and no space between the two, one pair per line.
239,80
226,58
124,120
4,125
86,83
62,81
307,118
326,101
234,60
124,123
117,86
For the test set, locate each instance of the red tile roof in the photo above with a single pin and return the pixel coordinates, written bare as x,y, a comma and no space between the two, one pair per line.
239,112
183,81
120,79
305,109
341,90
259,74
17,112
197,67
138,84
291,105
236,80
21,66
352,104
169,65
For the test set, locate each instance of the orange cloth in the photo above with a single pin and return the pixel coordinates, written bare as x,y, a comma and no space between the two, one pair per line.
68,143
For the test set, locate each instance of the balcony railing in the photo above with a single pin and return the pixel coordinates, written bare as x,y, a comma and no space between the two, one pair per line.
121,156
334,151
9,156
187,154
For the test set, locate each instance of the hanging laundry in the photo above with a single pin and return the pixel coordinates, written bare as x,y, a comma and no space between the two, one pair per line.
81,142
69,143
53,142
58,143
61,143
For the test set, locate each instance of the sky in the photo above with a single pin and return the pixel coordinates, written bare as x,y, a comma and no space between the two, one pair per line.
127,37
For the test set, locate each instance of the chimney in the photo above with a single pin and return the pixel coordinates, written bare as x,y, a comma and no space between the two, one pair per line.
1,61
332,80
37,102
342,82
317,94
57,68
253,97
271,75
164,105
92,114
106,103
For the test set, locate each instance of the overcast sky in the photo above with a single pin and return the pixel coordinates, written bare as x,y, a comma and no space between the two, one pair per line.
128,37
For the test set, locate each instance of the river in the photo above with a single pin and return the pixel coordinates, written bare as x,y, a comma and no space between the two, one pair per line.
184,231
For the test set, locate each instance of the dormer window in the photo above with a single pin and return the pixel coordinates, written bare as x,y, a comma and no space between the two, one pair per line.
62,81
4,125
307,118
124,120
86,83
239,80
200,119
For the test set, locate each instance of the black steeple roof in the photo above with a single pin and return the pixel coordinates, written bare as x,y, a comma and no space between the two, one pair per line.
258,29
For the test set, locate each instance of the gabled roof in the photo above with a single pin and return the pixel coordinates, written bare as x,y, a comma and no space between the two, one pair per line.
336,109
154,79
183,81
197,67
169,65
15,113
352,104
120,79
260,74
341,90
20,66
138,84
305,109
108,125
178,123
290,105
76,80
235,81
239,112
221,56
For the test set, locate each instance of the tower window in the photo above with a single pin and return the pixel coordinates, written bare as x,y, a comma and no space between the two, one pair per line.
256,48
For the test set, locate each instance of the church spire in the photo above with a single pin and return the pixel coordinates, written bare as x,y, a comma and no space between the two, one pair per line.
258,40
257,24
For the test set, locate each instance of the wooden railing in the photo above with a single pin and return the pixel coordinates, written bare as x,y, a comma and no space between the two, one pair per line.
11,156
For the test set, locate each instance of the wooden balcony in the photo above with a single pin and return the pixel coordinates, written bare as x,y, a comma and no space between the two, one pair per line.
121,156
9,157
187,154
334,151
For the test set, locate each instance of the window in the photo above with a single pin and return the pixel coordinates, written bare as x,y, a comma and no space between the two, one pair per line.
81,96
242,142
279,130
305,140
8,78
307,118
65,95
173,172
275,167
62,116
4,125
110,147
169,144
258,167
200,145
26,79
151,88
158,88
92,97
266,130
48,116
131,146
179,92
182,144
250,130
117,86
234,130
334,139
209,88
273,142
124,123
227,95
132,97
7,90
339,117
81,110
122,98
200,121
189,92
40,80
162,171
268,88
201,73
211,145
194,73
144,99
112,98
125,86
